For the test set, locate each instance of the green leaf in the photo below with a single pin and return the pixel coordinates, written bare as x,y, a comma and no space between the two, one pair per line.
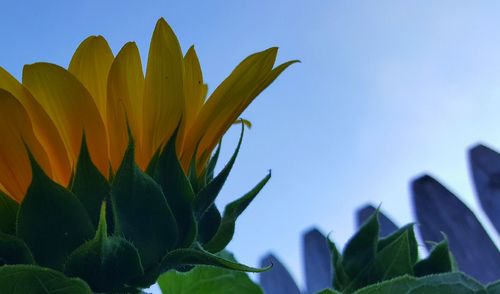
449,283
340,278
178,192
232,211
8,214
208,280
141,212
412,241
191,256
493,288
51,220
207,195
328,291
395,259
30,279
89,185
209,224
14,251
361,248
438,261
105,263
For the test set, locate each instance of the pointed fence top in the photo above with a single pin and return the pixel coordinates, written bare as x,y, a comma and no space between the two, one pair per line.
439,211
485,168
277,280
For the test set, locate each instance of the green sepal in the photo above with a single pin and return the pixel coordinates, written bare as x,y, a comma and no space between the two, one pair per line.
141,213
439,260
209,172
8,214
29,279
340,278
449,283
207,195
153,163
14,251
361,248
232,211
208,280
148,278
89,185
193,256
412,241
106,263
209,224
178,192
196,181
51,220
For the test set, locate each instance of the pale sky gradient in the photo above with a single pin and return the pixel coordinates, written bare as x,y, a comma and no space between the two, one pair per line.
386,90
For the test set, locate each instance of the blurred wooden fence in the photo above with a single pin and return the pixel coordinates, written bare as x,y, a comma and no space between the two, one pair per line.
437,212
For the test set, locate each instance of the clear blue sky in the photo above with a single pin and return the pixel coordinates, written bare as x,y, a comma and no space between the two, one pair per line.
386,90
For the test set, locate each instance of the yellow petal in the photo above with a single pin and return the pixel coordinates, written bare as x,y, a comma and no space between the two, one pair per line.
219,127
194,89
90,64
225,99
71,108
163,89
44,128
16,134
125,90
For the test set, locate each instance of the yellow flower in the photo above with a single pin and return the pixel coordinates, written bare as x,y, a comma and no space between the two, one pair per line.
100,94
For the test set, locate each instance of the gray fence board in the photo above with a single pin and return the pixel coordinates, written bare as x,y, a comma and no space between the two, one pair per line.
317,261
485,169
439,211
277,280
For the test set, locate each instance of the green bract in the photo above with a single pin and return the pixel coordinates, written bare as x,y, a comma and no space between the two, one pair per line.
117,235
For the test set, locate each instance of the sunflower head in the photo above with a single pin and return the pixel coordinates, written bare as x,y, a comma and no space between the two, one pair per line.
107,172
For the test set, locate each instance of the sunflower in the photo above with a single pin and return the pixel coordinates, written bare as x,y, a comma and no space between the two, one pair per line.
104,98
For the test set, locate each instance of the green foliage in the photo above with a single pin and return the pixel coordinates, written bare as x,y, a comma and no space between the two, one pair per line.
51,220
207,195
89,185
329,291
448,283
177,191
494,288
361,248
368,259
209,224
31,279
154,232
197,256
208,280
107,263
225,232
439,260
8,212
118,233
14,251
